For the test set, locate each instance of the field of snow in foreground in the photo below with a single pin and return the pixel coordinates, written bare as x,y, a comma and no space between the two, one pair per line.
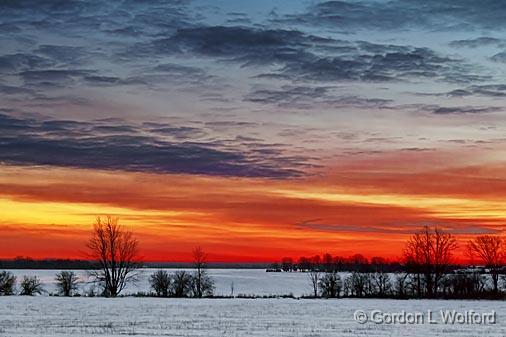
57,316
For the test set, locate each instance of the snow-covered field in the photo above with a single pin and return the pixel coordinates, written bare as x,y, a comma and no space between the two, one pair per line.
84,316
58,316
245,281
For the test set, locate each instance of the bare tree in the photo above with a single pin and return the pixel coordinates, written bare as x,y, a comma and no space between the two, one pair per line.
30,285
430,252
413,280
330,285
465,285
7,283
160,282
491,252
314,278
359,284
381,283
66,282
400,287
203,284
116,251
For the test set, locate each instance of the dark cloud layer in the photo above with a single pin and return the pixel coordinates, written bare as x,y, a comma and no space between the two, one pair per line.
54,53
299,56
141,35
107,145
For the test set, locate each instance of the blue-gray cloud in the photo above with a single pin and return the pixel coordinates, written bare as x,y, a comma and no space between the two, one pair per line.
477,42
307,97
140,36
54,53
298,56
487,90
152,147
457,110
403,14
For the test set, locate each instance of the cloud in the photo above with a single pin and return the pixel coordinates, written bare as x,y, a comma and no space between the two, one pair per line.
457,110
53,77
64,54
248,46
148,147
180,132
487,90
348,15
399,228
499,57
169,45
182,75
11,63
13,90
299,56
343,228
305,97
72,17
94,28
477,42
378,67
393,15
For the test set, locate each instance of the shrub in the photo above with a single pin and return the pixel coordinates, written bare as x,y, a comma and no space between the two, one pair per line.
7,283
66,282
160,282
181,284
31,286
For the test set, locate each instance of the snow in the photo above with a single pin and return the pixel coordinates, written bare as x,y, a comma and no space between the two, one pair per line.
82,316
246,281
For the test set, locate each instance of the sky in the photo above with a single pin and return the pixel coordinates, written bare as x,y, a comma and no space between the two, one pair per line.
254,129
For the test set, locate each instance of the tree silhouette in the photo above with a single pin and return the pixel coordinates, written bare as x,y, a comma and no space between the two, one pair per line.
490,250
203,284
66,282
314,278
30,286
330,284
116,251
430,252
7,283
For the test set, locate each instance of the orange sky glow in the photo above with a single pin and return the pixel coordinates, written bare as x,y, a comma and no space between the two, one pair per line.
49,212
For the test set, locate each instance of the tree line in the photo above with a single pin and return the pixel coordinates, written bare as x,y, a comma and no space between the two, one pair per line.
427,270
22,262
